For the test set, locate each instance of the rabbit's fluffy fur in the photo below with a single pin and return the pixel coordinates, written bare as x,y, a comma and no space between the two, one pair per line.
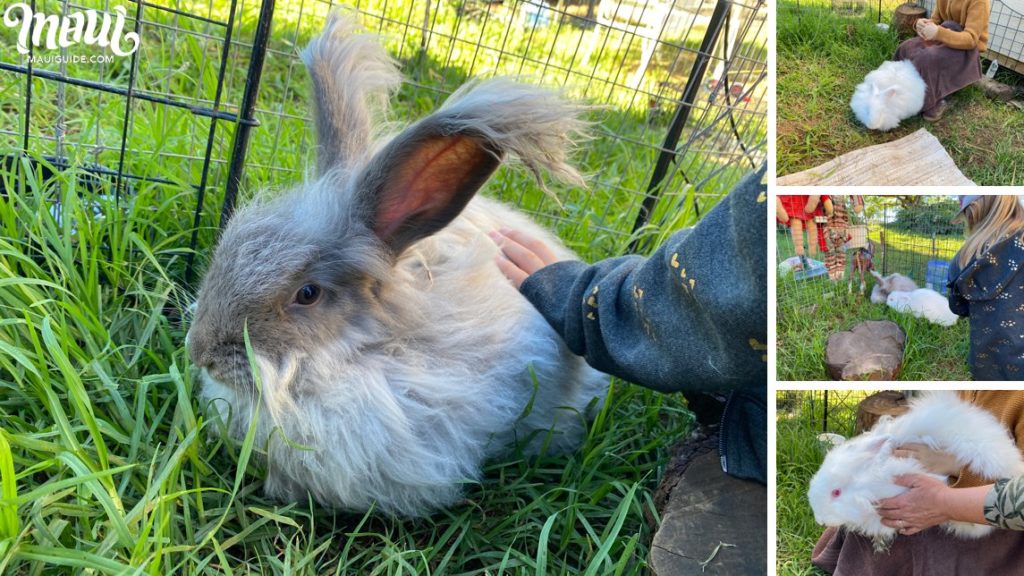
894,282
892,92
923,303
414,363
859,472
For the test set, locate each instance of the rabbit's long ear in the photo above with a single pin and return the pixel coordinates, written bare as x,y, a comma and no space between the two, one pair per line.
423,178
352,78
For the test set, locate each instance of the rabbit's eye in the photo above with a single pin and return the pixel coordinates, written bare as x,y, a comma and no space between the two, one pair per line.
836,493
307,295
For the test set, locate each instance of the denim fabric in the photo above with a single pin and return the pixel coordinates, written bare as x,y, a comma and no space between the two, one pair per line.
692,317
990,291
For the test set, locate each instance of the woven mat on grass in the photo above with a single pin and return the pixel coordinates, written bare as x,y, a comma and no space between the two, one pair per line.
915,160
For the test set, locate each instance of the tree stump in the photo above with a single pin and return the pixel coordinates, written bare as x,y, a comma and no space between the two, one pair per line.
887,403
905,16
871,350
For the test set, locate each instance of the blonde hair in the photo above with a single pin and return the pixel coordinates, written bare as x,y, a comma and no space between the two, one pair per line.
989,219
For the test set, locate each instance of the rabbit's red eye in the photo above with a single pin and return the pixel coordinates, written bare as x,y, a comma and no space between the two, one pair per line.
836,493
307,295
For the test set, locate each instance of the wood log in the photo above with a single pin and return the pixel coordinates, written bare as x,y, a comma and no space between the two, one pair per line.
887,403
905,16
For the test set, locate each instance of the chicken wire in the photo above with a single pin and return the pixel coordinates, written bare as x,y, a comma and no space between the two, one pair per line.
911,235
215,101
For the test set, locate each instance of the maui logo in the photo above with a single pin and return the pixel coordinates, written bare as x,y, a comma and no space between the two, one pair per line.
53,31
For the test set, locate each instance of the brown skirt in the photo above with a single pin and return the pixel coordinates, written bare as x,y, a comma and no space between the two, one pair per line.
944,70
932,552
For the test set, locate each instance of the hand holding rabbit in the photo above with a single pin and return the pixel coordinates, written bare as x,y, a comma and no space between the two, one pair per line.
919,508
933,460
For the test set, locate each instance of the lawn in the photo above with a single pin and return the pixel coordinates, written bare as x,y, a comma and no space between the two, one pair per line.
108,463
810,310
823,54
798,455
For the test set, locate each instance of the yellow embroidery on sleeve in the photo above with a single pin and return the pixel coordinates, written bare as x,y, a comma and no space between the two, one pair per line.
675,260
758,346
638,292
761,198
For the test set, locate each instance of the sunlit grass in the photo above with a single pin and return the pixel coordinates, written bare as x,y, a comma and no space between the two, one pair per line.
108,464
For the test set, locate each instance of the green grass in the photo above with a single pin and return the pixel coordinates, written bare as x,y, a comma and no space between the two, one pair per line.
798,456
823,55
108,464
811,310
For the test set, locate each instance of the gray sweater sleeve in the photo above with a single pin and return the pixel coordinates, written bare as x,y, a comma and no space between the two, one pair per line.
693,316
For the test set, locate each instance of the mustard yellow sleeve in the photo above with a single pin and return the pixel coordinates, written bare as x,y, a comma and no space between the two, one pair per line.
975,32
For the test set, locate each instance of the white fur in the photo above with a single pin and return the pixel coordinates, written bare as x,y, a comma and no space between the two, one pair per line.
894,282
923,303
863,468
891,93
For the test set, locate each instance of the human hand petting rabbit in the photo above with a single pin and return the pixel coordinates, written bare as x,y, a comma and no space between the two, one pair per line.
521,254
391,355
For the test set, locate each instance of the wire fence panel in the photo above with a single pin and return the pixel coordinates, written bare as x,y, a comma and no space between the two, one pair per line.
634,60
153,115
909,235
832,411
216,98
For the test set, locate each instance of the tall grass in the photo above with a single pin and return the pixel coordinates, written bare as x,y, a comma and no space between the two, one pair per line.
798,456
108,463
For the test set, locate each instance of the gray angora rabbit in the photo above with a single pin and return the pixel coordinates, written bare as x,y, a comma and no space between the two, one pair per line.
392,356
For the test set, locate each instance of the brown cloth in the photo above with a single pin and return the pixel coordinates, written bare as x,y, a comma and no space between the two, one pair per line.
932,552
944,70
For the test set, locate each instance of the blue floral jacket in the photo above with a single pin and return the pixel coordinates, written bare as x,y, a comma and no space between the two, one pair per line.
692,317
990,291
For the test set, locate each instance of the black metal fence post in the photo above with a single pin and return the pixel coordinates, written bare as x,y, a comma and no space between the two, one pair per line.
246,120
668,147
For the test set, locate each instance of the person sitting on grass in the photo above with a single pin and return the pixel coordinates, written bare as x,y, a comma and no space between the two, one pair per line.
921,549
986,284
692,317
946,50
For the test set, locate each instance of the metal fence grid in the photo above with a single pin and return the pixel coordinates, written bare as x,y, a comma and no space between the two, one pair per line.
833,411
680,89
912,235
639,59
164,117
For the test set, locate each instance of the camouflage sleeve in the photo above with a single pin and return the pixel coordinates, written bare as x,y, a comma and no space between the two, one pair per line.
1004,504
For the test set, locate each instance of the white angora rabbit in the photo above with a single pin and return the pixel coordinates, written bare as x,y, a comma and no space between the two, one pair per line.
923,303
894,282
392,355
892,92
859,472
